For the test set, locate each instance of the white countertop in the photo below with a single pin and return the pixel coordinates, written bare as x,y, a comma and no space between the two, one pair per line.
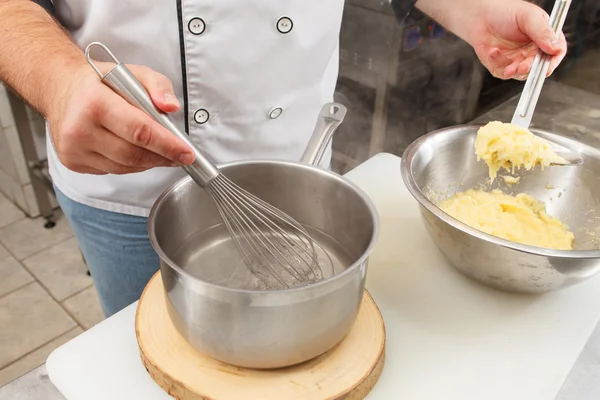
447,336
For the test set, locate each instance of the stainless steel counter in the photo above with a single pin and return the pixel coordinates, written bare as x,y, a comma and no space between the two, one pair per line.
562,109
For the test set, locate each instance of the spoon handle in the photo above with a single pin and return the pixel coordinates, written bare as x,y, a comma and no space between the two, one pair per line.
539,70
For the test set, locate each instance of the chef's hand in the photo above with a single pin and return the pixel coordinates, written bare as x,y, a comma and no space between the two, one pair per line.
508,35
96,131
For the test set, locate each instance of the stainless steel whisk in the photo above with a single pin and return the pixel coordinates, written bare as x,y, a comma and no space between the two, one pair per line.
266,238
272,244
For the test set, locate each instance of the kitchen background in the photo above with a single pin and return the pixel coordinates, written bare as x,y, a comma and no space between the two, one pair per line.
398,83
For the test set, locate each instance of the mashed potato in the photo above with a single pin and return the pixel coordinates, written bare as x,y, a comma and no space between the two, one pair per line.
511,180
508,146
519,218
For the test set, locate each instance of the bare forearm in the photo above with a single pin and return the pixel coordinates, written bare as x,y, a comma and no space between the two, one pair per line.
455,15
35,52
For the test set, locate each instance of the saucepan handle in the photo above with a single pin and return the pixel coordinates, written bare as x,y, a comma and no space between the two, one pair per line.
330,118
124,83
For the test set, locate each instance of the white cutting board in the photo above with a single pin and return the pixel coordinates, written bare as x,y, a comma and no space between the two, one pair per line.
447,337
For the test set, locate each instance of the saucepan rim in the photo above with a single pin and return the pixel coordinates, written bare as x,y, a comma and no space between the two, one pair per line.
414,189
310,169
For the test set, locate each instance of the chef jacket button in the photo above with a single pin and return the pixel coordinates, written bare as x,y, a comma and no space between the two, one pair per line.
196,26
201,116
284,25
275,113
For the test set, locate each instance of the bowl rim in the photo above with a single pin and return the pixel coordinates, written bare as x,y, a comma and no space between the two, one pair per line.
414,189
224,289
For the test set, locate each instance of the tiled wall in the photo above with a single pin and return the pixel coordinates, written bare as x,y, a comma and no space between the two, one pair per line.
15,182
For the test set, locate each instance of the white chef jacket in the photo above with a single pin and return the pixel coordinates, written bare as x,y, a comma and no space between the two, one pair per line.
251,77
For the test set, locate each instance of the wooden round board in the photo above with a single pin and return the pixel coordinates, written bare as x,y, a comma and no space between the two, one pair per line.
348,371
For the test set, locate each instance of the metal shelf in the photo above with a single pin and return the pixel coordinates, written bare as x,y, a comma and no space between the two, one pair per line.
36,166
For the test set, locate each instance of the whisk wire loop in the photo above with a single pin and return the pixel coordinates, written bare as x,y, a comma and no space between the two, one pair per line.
271,243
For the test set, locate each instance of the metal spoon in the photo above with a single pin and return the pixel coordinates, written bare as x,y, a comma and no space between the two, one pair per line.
535,81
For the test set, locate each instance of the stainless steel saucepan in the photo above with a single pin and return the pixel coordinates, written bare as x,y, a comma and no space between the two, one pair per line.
217,304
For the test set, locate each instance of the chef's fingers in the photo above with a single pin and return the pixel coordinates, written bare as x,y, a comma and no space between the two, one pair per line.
495,62
557,59
523,69
86,169
510,71
497,72
138,128
158,86
535,24
498,58
83,162
124,153
519,77
101,163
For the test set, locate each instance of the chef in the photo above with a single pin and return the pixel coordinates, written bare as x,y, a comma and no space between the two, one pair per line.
245,78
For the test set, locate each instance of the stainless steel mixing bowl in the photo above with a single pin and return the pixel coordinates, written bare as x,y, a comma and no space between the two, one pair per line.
443,162
209,291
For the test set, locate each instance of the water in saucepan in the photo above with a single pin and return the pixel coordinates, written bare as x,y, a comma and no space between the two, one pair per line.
212,257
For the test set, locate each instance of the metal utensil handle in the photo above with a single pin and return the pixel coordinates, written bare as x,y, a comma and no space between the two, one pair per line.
124,83
330,117
539,69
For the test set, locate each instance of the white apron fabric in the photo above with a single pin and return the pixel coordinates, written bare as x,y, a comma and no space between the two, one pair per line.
238,70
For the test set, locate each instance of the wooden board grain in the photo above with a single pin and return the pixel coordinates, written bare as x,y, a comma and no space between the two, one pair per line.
348,371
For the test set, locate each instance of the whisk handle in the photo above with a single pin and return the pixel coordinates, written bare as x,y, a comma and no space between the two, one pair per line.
123,82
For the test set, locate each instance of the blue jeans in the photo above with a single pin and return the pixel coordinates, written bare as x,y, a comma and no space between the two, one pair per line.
116,249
